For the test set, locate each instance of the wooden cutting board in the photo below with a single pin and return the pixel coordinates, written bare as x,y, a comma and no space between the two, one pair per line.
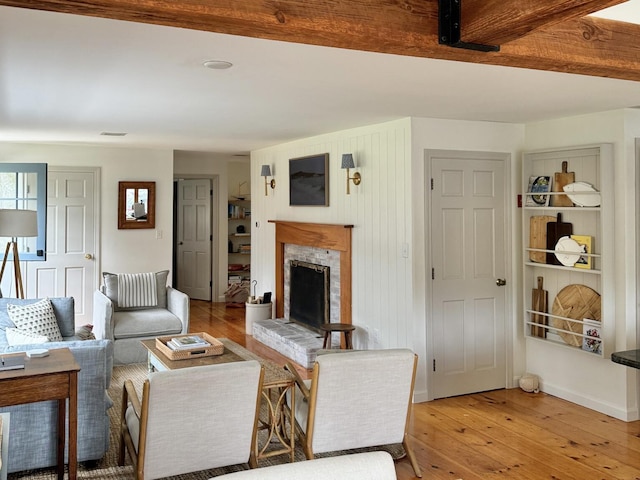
539,303
575,302
538,236
560,180
555,231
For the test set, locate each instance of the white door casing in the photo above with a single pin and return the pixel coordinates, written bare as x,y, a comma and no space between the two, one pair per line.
468,258
194,238
73,233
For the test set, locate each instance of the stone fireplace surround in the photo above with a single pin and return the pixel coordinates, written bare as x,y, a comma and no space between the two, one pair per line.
323,244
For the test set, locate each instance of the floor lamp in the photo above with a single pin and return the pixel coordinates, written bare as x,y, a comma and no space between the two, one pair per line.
15,224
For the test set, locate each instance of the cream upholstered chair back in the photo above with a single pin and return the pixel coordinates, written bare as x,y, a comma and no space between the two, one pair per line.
194,419
357,399
361,399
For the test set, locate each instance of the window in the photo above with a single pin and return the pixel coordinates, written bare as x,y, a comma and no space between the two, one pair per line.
23,186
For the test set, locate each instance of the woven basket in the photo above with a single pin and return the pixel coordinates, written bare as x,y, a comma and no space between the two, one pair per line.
216,347
575,302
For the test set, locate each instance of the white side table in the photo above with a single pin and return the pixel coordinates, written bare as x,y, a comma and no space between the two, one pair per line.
254,313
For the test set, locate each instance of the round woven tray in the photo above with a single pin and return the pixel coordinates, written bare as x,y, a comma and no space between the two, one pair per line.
576,302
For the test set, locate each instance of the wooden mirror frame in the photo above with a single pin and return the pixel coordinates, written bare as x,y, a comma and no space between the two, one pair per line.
130,222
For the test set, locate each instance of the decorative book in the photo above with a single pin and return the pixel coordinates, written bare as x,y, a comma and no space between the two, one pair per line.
539,185
586,243
591,328
187,342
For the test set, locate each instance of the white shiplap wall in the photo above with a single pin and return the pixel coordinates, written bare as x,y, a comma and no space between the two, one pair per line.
379,209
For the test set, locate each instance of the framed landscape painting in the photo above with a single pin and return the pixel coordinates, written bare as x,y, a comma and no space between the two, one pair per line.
309,180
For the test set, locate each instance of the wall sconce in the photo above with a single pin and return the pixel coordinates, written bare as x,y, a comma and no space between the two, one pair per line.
347,162
266,172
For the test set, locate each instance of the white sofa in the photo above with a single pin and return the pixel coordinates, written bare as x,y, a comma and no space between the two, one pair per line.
358,466
127,326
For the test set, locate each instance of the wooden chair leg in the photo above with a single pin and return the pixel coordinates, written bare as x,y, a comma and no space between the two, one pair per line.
327,340
412,457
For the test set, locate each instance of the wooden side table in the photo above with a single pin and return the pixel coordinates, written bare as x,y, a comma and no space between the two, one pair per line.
343,328
54,377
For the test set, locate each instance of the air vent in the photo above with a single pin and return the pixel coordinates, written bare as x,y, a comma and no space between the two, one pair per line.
113,134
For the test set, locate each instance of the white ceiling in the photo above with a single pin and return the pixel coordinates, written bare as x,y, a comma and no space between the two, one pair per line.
66,78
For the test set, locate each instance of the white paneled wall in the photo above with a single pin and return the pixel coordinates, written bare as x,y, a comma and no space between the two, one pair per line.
379,209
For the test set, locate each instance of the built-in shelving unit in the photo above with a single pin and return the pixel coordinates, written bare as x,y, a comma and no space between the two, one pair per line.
239,251
574,292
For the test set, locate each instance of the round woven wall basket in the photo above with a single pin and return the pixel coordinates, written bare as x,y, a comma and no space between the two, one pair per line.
575,302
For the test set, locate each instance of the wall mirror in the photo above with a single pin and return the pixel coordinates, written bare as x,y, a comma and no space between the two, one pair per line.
137,205
23,186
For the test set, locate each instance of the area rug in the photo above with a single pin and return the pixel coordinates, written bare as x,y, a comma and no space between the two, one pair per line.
108,469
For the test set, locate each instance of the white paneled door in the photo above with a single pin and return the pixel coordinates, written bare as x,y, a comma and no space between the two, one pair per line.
72,241
194,238
468,272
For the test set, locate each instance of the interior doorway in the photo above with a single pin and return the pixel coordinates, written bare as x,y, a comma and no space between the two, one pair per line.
468,264
73,233
193,237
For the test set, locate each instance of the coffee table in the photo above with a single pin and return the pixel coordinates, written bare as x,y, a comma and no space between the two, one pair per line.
277,382
54,377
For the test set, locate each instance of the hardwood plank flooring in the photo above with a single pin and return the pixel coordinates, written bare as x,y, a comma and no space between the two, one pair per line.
502,434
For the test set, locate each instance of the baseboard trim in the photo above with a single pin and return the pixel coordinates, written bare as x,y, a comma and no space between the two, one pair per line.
420,397
626,415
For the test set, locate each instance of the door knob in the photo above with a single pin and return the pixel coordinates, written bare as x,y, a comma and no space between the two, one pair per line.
501,282
88,256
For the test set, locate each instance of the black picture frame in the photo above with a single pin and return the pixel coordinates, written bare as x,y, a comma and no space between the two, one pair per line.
309,181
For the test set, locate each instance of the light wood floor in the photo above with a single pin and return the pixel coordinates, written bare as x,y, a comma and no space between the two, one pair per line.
499,434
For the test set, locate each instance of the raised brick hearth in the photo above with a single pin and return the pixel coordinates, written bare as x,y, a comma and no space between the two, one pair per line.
291,340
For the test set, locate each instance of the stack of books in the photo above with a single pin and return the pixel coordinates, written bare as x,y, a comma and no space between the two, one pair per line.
187,343
238,212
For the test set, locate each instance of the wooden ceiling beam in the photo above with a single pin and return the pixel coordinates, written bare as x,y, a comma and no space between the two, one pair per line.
496,22
588,46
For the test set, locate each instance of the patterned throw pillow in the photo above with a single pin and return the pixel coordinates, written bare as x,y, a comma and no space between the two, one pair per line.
36,319
15,336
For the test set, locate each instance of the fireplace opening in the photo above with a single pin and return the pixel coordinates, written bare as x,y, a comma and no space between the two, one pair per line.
309,303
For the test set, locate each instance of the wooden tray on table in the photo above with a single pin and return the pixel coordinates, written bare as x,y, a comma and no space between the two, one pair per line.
215,348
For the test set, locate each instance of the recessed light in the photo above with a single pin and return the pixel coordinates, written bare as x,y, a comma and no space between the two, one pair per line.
217,64
113,134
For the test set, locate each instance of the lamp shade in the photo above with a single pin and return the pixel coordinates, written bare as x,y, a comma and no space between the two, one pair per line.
18,223
347,160
266,171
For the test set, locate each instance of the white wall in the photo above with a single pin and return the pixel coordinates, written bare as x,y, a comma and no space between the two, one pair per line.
589,380
379,208
120,250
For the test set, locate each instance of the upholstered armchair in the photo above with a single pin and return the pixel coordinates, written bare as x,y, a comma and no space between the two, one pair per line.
124,315
356,399
192,419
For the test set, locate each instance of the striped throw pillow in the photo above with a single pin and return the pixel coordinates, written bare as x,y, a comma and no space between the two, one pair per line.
137,290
